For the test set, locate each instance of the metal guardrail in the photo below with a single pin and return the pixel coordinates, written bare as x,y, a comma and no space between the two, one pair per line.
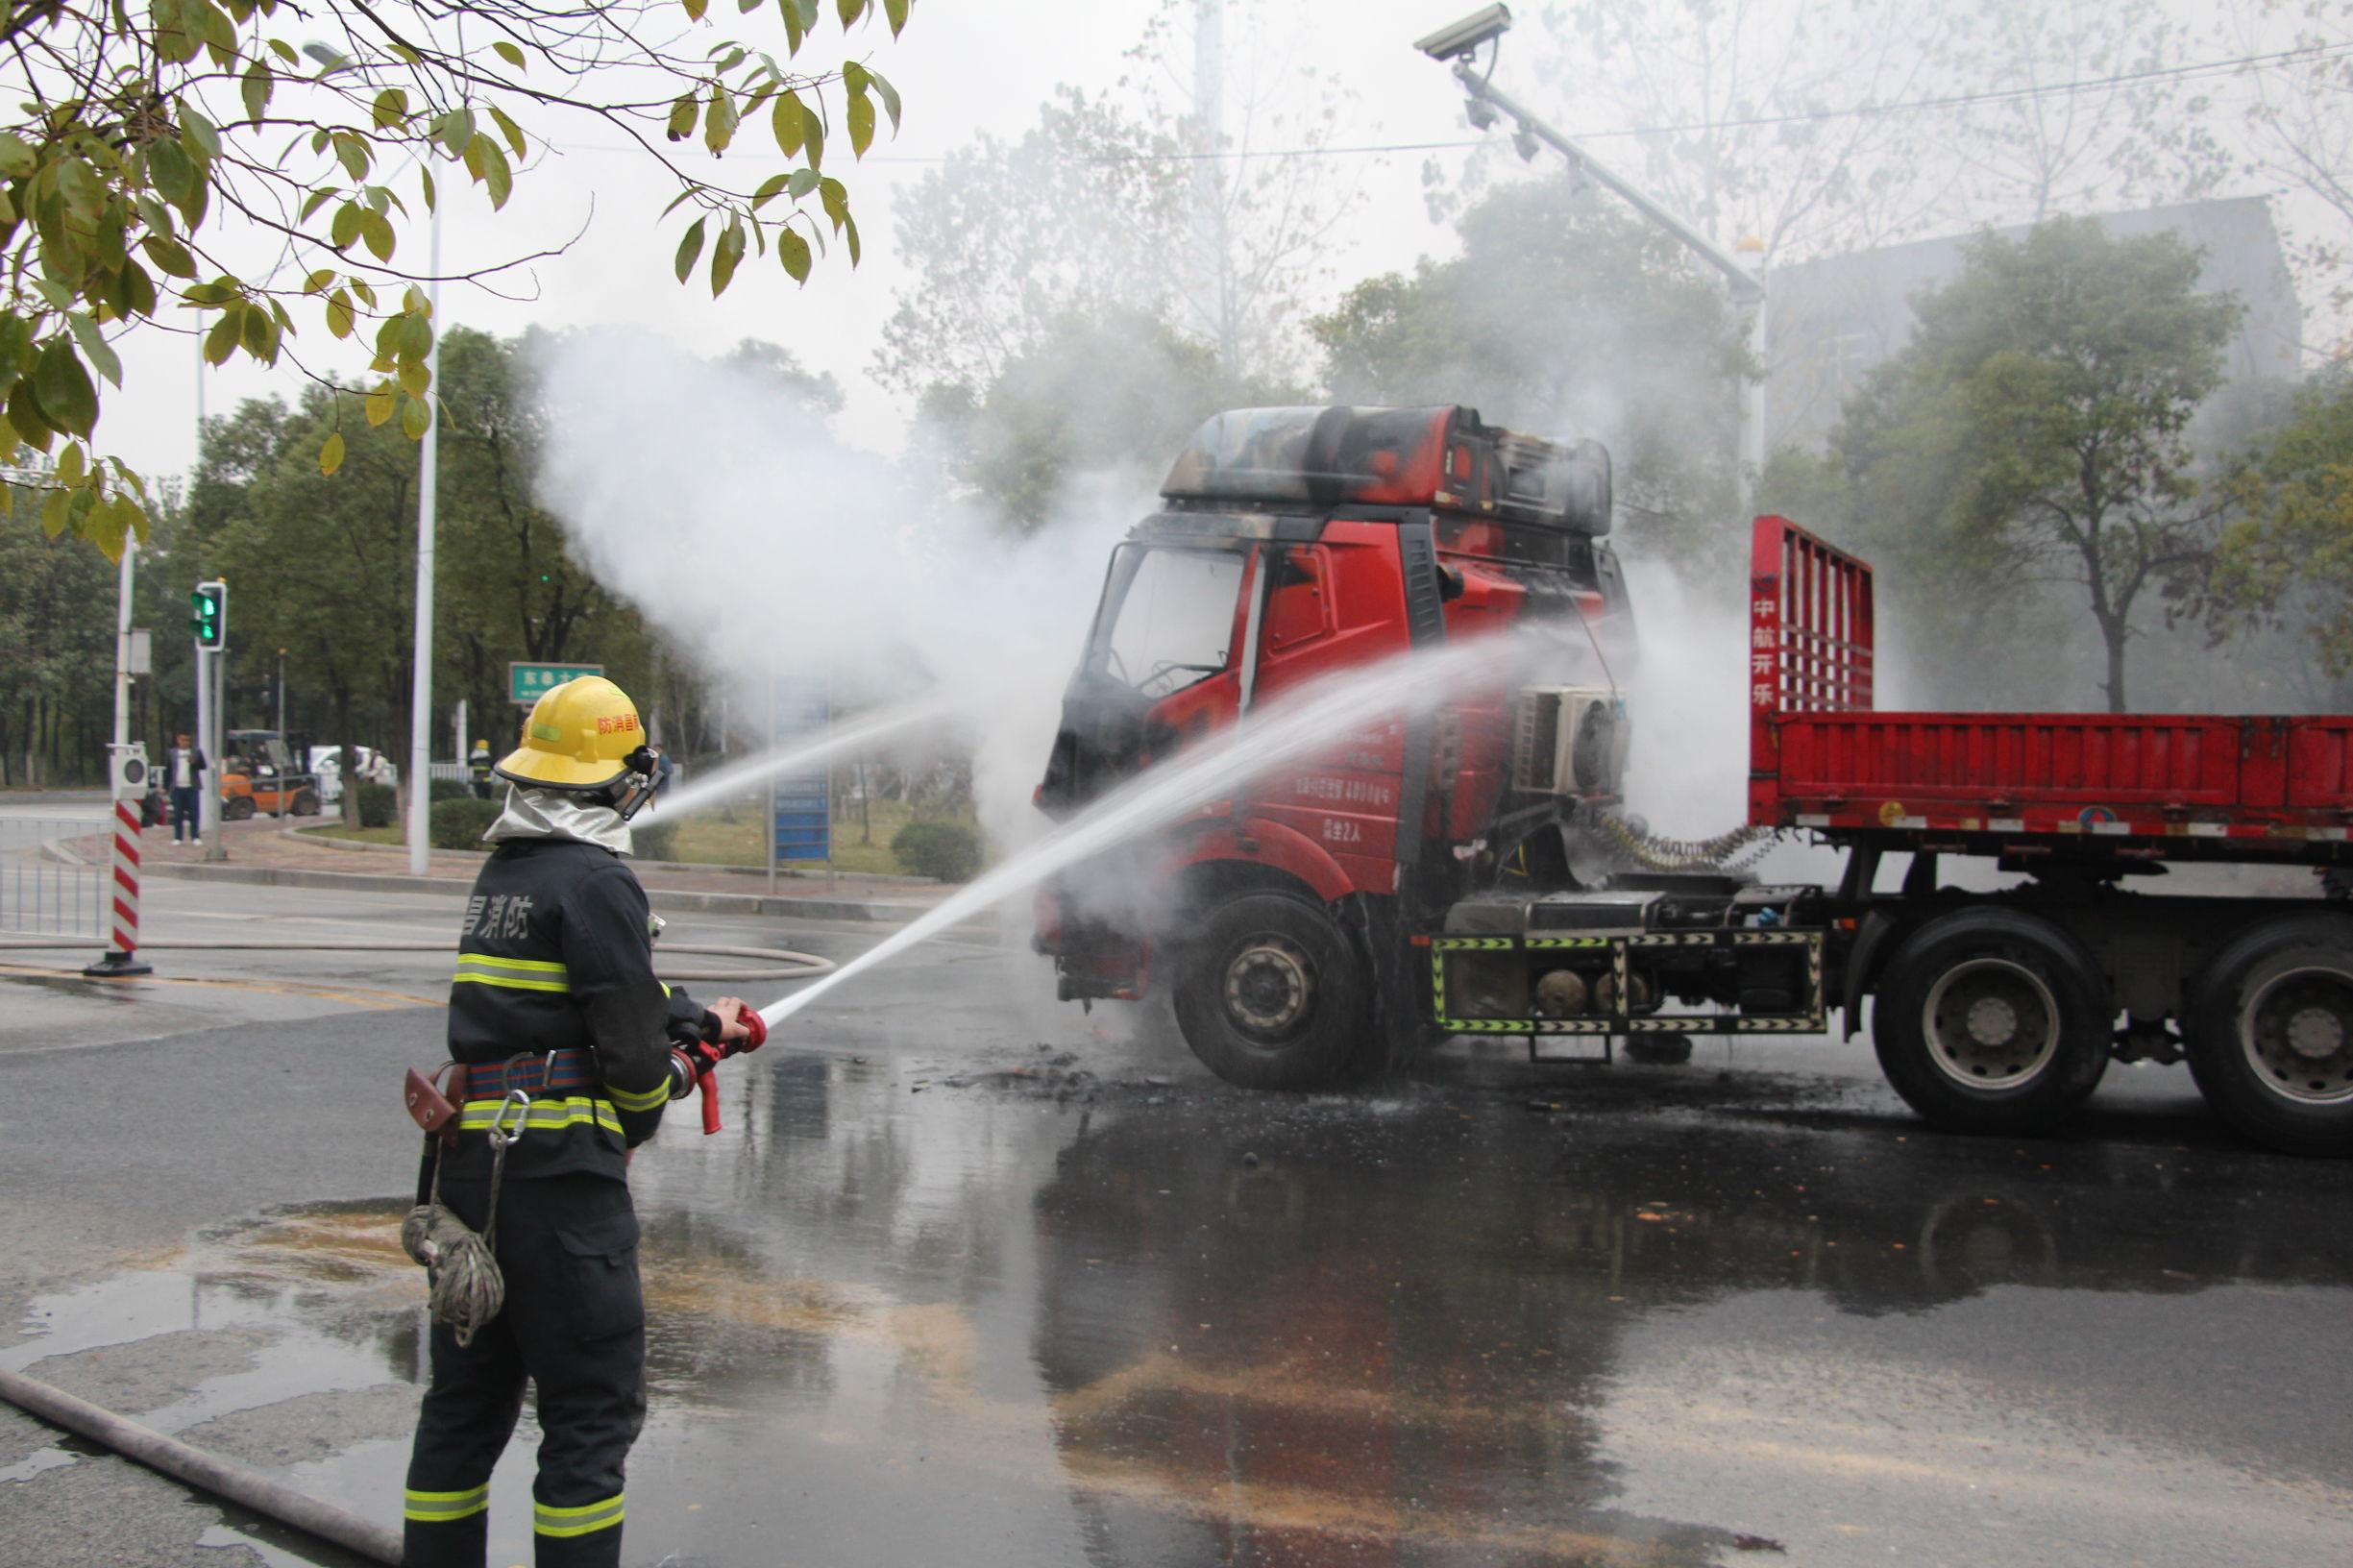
41,896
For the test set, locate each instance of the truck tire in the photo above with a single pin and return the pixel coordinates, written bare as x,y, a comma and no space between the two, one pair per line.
305,803
1271,993
237,808
1988,1021
2270,1034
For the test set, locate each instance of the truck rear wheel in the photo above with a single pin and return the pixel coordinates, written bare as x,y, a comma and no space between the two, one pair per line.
1272,994
237,808
1991,1022
2271,1034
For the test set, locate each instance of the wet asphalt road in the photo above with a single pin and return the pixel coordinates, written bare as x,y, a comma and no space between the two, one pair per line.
967,1280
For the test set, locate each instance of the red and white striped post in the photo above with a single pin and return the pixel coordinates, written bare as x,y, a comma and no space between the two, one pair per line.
123,871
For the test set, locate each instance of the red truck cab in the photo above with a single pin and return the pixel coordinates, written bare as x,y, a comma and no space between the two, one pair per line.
1296,543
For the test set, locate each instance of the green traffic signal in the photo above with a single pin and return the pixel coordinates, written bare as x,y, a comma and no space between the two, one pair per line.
208,614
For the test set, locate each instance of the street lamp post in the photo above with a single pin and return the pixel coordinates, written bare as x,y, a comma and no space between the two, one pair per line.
421,688
1461,44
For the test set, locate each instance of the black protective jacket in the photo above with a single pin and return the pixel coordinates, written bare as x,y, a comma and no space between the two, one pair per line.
555,954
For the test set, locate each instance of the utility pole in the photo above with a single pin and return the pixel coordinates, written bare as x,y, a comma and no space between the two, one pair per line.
282,698
1461,44
1209,183
421,687
122,641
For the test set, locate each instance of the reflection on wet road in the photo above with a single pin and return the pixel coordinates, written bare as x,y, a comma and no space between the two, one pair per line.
1030,1318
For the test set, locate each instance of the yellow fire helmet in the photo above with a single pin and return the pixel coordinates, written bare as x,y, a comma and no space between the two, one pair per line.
583,735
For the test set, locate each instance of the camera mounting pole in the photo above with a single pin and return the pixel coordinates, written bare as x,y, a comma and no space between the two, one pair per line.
1461,43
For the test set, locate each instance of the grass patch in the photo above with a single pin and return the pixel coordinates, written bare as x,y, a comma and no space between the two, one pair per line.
711,839
394,835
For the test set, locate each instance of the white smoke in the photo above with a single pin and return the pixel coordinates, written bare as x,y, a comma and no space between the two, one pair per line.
709,497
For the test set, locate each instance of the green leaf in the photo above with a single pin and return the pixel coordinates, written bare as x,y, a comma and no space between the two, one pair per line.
351,152
784,121
391,108
508,129
793,252
376,233
416,339
315,200
345,226
195,127
725,258
719,121
330,454
690,249
836,197
804,182
171,173
849,10
695,9
425,177
220,291
16,156
508,53
67,394
454,130
340,317
861,125
497,173
95,347
889,95
416,378
260,335
169,254
260,79
683,116
813,134
318,280
849,232
769,189
896,11
53,512
415,415
284,51
381,404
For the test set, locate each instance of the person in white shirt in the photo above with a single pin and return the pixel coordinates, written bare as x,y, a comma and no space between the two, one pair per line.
183,766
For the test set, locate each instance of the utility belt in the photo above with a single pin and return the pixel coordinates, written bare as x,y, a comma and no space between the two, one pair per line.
545,1093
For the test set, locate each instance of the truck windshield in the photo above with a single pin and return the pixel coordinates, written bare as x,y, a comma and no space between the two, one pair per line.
1171,622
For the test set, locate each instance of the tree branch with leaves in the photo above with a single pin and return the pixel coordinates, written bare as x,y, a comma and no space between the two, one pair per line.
230,168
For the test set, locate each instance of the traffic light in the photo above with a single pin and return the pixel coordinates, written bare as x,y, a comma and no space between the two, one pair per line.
208,614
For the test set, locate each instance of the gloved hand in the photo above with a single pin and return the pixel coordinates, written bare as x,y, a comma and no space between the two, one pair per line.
740,1028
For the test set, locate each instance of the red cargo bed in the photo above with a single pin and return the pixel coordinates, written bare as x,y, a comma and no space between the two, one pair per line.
2152,785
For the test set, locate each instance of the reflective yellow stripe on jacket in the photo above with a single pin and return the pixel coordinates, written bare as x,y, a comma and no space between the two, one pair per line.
545,1115
511,974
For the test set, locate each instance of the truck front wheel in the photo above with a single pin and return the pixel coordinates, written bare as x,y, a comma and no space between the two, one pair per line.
1989,1021
2271,1034
1271,993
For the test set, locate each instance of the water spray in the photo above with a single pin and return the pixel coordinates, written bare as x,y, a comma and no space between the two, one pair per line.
792,756
1282,730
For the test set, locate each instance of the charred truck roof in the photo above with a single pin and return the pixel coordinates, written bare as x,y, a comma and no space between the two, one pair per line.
1278,473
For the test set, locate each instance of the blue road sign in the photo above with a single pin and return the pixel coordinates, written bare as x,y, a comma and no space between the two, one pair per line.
803,803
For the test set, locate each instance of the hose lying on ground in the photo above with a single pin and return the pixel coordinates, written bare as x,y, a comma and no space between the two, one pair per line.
206,1472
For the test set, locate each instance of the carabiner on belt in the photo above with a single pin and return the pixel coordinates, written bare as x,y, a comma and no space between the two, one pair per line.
521,1104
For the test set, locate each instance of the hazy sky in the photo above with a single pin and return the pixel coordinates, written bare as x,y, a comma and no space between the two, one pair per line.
961,67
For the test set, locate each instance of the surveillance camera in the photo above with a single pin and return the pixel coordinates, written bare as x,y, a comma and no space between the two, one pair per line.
1468,35
1479,113
1524,143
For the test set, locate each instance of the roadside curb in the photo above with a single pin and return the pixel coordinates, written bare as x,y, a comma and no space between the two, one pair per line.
304,835
875,910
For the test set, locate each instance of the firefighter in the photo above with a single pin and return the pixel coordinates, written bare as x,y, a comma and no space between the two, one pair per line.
555,998
479,764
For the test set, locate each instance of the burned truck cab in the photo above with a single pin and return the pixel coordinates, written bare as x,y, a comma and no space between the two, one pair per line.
1295,545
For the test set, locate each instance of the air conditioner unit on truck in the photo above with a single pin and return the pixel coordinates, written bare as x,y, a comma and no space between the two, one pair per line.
1433,885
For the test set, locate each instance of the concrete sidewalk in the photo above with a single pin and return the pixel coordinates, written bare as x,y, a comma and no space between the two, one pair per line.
263,850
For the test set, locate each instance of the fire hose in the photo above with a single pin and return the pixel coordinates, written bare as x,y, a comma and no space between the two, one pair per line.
204,1471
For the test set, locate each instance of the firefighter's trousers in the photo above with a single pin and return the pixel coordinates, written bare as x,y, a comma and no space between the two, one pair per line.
575,1325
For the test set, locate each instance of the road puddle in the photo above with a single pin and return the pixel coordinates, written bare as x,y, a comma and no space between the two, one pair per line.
1001,1322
